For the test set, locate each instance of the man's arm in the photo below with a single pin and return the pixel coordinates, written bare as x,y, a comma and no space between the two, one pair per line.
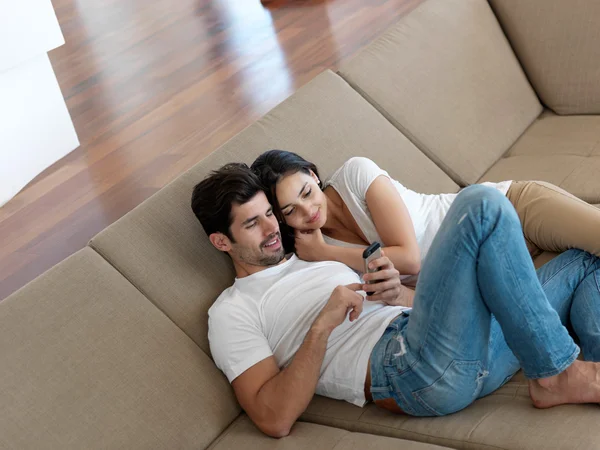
274,399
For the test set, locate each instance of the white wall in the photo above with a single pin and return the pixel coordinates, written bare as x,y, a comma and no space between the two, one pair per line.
35,127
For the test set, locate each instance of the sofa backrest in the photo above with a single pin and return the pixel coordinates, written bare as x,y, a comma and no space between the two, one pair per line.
162,249
558,44
445,76
88,362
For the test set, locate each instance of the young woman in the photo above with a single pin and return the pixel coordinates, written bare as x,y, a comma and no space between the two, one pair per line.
361,204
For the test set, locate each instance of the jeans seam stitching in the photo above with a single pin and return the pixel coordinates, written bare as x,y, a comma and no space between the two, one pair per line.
404,406
563,365
410,366
454,363
555,274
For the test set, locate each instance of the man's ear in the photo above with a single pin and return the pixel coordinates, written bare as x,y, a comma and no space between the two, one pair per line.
220,241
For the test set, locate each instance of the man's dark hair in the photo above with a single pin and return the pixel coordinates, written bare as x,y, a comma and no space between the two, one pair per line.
214,196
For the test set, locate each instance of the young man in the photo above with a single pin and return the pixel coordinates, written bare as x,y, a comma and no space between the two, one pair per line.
289,328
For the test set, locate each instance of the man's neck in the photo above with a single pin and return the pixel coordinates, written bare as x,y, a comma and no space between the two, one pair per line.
243,270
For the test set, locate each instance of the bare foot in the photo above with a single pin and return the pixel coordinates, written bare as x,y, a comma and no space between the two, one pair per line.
579,383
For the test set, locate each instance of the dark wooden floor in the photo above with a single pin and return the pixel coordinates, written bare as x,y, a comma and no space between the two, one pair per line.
155,86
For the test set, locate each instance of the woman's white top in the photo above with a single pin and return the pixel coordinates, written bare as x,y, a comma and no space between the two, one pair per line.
427,211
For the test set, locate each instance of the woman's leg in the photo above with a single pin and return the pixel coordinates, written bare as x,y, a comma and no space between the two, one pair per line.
478,266
554,220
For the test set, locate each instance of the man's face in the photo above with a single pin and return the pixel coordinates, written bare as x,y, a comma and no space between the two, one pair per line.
256,233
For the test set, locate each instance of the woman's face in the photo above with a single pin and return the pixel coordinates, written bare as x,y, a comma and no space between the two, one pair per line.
302,202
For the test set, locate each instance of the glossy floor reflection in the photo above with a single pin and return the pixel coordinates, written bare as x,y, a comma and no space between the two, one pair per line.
154,87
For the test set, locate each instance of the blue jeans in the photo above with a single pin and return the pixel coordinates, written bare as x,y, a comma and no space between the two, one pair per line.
481,312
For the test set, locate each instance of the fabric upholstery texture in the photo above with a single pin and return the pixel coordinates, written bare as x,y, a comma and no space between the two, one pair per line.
563,150
88,362
161,247
505,419
446,76
242,434
558,45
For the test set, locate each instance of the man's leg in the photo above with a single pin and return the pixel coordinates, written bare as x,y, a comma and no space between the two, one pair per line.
478,265
585,313
571,283
580,382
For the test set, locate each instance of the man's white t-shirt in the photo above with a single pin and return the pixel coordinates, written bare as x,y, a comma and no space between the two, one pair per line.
353,179
270,312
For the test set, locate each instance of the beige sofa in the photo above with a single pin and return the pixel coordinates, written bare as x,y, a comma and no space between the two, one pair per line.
109,348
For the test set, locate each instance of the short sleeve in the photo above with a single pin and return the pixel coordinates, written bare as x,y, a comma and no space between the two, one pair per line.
236,339
356,175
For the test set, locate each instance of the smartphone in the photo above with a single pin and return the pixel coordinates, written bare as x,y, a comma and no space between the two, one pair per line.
371,253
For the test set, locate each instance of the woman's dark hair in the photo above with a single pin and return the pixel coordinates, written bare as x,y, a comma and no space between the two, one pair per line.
271,167
213,197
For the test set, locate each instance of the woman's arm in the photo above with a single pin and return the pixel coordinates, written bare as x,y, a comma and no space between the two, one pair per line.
352,257
394,226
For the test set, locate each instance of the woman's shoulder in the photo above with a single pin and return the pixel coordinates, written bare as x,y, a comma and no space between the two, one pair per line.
355,175
356,167
361,162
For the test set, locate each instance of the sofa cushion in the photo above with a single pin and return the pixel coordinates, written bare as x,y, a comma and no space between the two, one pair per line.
242,434
160,246
88,362
563,150
505,419
446,76
558,44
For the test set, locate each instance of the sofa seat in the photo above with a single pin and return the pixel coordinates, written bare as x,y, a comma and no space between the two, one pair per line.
505,419
563,150
242,434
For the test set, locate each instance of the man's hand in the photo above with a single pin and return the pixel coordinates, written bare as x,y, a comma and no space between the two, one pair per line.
386,284
344,299
310,245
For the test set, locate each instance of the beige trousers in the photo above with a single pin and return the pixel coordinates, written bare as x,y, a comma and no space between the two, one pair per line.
554,220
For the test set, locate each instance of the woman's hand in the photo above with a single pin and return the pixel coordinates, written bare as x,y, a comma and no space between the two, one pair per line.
386,284
310,245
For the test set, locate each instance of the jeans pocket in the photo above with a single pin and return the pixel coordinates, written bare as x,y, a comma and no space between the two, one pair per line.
457,388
